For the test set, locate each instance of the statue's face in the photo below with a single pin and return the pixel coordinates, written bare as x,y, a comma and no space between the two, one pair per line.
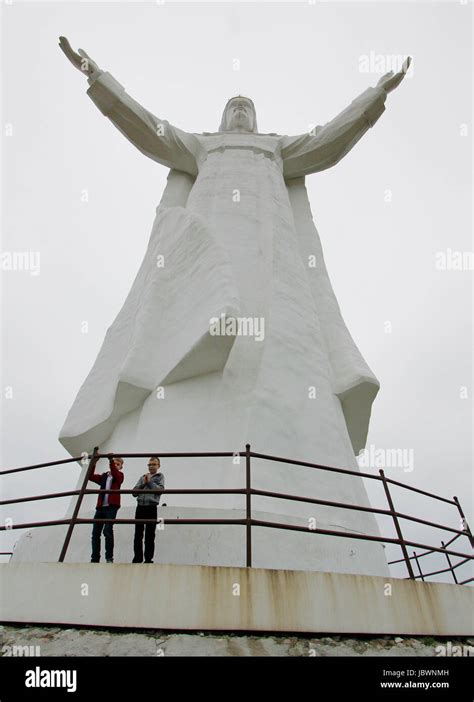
240,115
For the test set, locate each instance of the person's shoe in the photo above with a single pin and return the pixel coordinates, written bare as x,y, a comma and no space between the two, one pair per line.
109,560
94,561
135,561
148,561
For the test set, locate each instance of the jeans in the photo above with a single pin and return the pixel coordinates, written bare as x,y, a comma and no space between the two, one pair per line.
109,512
144,512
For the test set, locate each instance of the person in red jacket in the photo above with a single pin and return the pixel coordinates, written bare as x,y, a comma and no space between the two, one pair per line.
107,507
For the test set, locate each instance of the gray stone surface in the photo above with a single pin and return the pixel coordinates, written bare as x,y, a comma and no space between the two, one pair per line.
57,641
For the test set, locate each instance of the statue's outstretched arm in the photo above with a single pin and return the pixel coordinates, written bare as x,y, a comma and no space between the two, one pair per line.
157,139
324,146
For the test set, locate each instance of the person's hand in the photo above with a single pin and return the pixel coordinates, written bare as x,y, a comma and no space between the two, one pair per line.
146,477
79,60
392,80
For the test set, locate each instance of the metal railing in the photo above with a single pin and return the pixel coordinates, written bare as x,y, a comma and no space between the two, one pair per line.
249,522
450,569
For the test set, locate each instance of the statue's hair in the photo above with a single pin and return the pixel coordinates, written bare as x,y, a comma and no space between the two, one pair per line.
223,124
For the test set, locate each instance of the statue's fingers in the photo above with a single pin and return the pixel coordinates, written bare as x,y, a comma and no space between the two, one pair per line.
65,45
401,74
84,54
69,52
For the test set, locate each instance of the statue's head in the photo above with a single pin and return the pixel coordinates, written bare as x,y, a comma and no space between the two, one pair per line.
239,116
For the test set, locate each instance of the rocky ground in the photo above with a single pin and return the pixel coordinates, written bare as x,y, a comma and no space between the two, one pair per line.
58,641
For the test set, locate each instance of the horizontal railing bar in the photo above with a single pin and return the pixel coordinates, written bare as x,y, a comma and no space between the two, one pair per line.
42,465
458,532
328,532
200,454
460,563
305,464
469,580
314,500
161,521
445,570
124,455
427,553
254,522
419,576
352,535
49,496
61,522
236,491
194,491
421,492
175,491
411,558
32,498
291,461
30,525
264,456
344,505
435,550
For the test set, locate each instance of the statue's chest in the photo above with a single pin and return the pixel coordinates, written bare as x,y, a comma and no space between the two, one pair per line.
236,151
240,168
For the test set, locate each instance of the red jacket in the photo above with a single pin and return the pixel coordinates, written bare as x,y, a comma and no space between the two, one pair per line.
117,480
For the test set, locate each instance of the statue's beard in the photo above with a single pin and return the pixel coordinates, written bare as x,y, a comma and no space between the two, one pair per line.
240,121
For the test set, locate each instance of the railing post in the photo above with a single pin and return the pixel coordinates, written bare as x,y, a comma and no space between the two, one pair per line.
465,525
397,525
248,506
418,565
450,564
80,497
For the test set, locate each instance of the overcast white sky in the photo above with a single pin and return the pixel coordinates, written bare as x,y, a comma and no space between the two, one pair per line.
402,195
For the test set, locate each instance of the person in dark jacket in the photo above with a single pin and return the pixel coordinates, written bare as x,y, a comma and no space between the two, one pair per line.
107,507
147,508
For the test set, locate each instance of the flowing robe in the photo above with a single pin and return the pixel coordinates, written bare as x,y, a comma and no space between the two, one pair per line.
234,233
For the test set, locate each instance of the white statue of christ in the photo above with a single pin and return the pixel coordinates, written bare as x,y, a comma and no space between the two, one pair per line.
234,239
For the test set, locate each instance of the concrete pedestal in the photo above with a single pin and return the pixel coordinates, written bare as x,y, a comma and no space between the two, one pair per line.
173,597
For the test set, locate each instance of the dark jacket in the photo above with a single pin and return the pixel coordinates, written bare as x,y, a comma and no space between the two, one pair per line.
101,480
155,482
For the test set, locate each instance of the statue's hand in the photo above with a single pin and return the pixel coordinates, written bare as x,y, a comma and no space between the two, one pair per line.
392,80
79,60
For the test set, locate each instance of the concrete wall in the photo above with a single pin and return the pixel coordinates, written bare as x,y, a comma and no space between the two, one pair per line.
236,599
